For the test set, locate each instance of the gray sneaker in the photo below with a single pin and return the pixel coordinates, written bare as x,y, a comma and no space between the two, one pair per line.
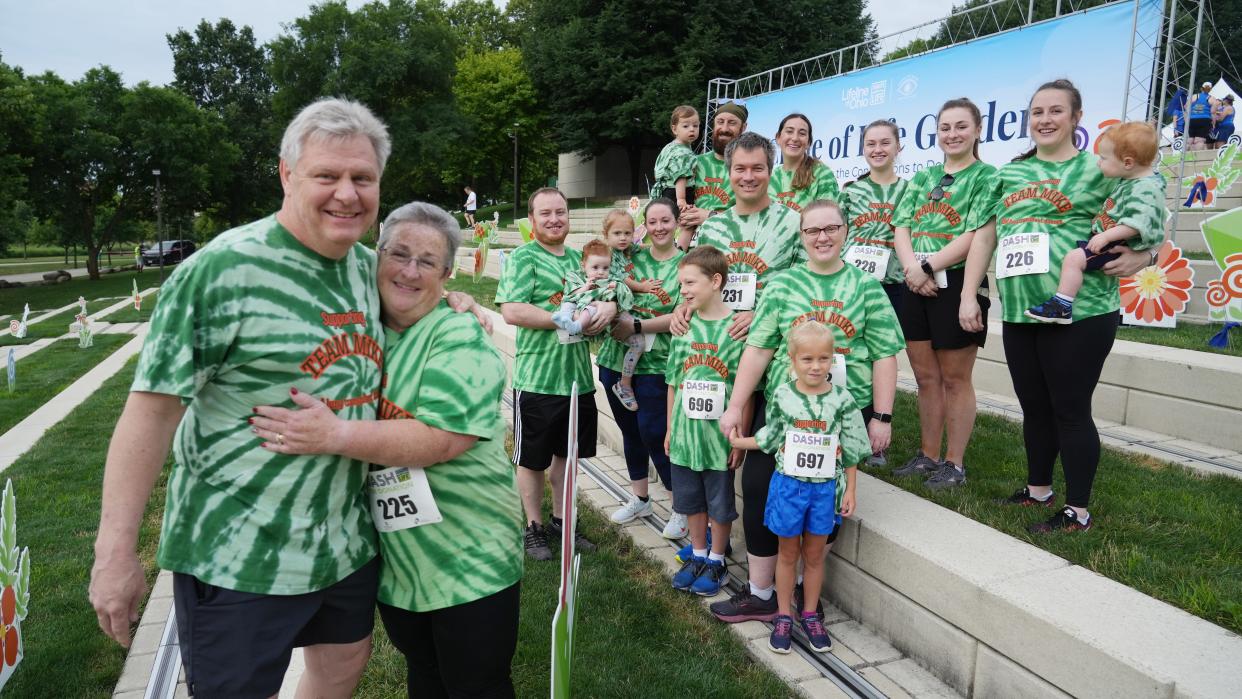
880,458
920,465
947,477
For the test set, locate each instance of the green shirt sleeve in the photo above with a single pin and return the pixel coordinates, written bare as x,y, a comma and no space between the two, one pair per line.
855,444
826,184
903,216
765,328
462,381
1142,209
194,325
981,206
517,280
771,436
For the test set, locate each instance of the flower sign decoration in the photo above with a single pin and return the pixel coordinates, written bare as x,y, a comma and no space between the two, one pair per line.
1223,233
14,587
636,212
485,234
1155,295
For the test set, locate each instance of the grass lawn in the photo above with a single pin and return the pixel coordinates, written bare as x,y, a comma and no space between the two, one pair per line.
57,295
484,292
7,269
55,326
58,488
129,315
1191,336
1162,529
48,372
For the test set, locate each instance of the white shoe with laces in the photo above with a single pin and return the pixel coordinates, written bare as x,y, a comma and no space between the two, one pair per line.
631,511
676,528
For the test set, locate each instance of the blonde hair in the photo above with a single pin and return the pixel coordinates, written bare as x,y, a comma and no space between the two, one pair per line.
1134,139
612,216
809,331
682,111
824,204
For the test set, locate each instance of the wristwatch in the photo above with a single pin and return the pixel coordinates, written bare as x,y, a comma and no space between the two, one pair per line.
927,268
638,327
882,417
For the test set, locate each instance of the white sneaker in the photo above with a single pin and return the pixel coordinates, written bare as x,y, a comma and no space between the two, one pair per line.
631,510
676,527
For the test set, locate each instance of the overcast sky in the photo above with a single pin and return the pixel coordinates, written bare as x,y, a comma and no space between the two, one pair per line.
70,36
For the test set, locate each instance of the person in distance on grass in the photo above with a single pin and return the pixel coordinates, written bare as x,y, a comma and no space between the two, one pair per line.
449,586
546,365
701,367
472,205
816,433
1134,213
268,551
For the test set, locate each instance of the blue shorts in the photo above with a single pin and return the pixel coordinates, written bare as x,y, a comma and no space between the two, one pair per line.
796,507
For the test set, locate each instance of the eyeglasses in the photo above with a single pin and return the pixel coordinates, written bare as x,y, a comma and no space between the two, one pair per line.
937,192
402,259
830,229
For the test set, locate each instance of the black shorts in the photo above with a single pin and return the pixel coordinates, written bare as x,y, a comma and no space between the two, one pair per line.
1199,128
1097,260
541,428
238,644
934,318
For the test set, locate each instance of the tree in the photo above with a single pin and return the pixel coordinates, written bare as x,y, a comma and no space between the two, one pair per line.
225,71
611,71
396,58
20,115
493,93
92,176
480,27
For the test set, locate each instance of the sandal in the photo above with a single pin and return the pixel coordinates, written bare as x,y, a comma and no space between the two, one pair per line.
626,396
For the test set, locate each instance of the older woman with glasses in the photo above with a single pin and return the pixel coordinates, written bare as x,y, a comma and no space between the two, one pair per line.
934,223
442,491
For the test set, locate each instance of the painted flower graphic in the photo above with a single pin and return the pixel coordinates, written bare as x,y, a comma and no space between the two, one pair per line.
1224,295
1161,290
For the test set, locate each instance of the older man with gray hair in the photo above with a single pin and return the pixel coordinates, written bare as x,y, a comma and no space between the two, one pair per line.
269,550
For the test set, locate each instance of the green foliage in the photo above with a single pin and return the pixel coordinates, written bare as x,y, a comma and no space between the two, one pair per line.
480,26
1222,169
19,123
225,72
396,58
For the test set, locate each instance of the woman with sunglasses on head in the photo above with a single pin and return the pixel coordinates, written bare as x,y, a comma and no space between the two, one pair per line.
1044,202
934,224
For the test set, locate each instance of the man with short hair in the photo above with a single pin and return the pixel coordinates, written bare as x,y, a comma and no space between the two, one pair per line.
546,364
269,551
712,192
760,237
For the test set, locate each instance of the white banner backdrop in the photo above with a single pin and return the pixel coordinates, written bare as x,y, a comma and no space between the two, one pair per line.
999,73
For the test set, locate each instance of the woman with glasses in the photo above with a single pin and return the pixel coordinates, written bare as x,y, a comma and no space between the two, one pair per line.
934,225
1044,202
442,491
866,334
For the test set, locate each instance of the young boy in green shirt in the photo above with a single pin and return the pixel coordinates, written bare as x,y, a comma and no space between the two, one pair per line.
700,372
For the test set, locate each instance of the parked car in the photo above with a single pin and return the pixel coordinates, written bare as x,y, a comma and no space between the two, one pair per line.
173,251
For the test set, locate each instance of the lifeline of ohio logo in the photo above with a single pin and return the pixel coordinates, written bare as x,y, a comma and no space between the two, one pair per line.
907,87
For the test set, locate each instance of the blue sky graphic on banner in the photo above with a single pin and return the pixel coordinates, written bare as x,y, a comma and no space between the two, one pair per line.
999,73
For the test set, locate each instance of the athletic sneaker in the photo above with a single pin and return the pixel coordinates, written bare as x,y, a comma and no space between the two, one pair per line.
626,396
683,553
536,542
676,527
711,579
782,634
581,543
800,600
918,466
745,607
690,571
1053,310
1023,497
631,511
880,458
813,626
1065,520
947,477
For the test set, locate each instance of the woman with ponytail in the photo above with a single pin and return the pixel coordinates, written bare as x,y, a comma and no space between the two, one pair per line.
935,223
1043,204
800,178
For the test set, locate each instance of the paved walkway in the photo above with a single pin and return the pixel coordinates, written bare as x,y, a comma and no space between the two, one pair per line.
27,277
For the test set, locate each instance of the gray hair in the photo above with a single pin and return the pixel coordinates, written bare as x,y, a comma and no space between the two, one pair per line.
334,117
749,141
420,213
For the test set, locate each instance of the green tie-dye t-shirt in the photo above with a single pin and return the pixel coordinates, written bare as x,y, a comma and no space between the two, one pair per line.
965,206
704,353
445,372
1139,204
823,185
869,208
250,316
1059,199
832,412
542,364
761,243
849,301
712,190
663,301
675,161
